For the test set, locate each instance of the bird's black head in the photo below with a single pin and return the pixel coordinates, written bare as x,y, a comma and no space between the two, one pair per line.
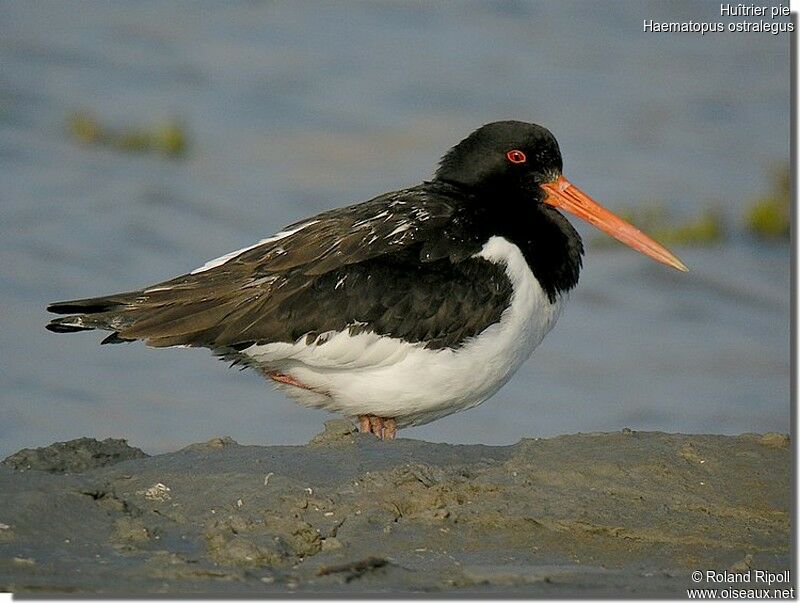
514,169
506,158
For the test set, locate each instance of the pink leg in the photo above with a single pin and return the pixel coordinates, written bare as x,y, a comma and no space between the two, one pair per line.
383,429
287,380
376,426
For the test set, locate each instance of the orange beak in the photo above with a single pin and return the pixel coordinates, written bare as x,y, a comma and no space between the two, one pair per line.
564,195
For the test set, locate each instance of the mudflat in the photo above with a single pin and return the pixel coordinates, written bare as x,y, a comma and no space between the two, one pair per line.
624,513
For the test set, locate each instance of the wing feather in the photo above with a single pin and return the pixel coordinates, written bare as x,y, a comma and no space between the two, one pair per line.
266,292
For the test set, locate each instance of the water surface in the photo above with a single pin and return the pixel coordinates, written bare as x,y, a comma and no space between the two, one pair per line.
297,107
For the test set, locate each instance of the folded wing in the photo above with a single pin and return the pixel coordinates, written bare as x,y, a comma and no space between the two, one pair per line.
315,277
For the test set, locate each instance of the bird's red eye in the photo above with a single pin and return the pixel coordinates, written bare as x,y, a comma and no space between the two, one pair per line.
516,156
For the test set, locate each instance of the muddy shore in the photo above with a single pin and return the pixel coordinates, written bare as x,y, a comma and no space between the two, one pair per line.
626,513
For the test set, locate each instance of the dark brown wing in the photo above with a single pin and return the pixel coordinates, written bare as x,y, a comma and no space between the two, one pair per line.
250,295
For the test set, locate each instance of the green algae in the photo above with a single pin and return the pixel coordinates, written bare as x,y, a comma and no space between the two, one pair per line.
769,217
168,138
704,229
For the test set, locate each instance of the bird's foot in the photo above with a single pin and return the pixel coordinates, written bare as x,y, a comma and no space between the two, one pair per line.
383,429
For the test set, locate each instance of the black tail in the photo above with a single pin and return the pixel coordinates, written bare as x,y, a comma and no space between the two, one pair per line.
87,315
58,326
92,305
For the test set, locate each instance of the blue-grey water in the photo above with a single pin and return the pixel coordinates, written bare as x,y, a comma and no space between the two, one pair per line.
297,107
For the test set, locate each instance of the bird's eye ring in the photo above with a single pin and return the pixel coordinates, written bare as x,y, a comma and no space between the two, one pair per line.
516,156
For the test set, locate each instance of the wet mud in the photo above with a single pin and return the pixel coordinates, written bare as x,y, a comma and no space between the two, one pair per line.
625,513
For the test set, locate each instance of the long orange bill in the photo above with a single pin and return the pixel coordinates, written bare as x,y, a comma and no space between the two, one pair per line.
564,195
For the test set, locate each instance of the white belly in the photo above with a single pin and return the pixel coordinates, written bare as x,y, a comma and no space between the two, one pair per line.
387,377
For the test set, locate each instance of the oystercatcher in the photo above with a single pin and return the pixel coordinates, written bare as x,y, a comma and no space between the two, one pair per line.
396,311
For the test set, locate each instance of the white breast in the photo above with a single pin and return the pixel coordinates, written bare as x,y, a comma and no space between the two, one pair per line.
388,377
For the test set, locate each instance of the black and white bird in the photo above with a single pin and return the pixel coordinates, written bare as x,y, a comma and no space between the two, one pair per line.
396,311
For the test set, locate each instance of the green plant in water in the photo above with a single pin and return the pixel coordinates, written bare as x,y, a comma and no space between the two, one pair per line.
769,217
84,128
169,138
705,229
